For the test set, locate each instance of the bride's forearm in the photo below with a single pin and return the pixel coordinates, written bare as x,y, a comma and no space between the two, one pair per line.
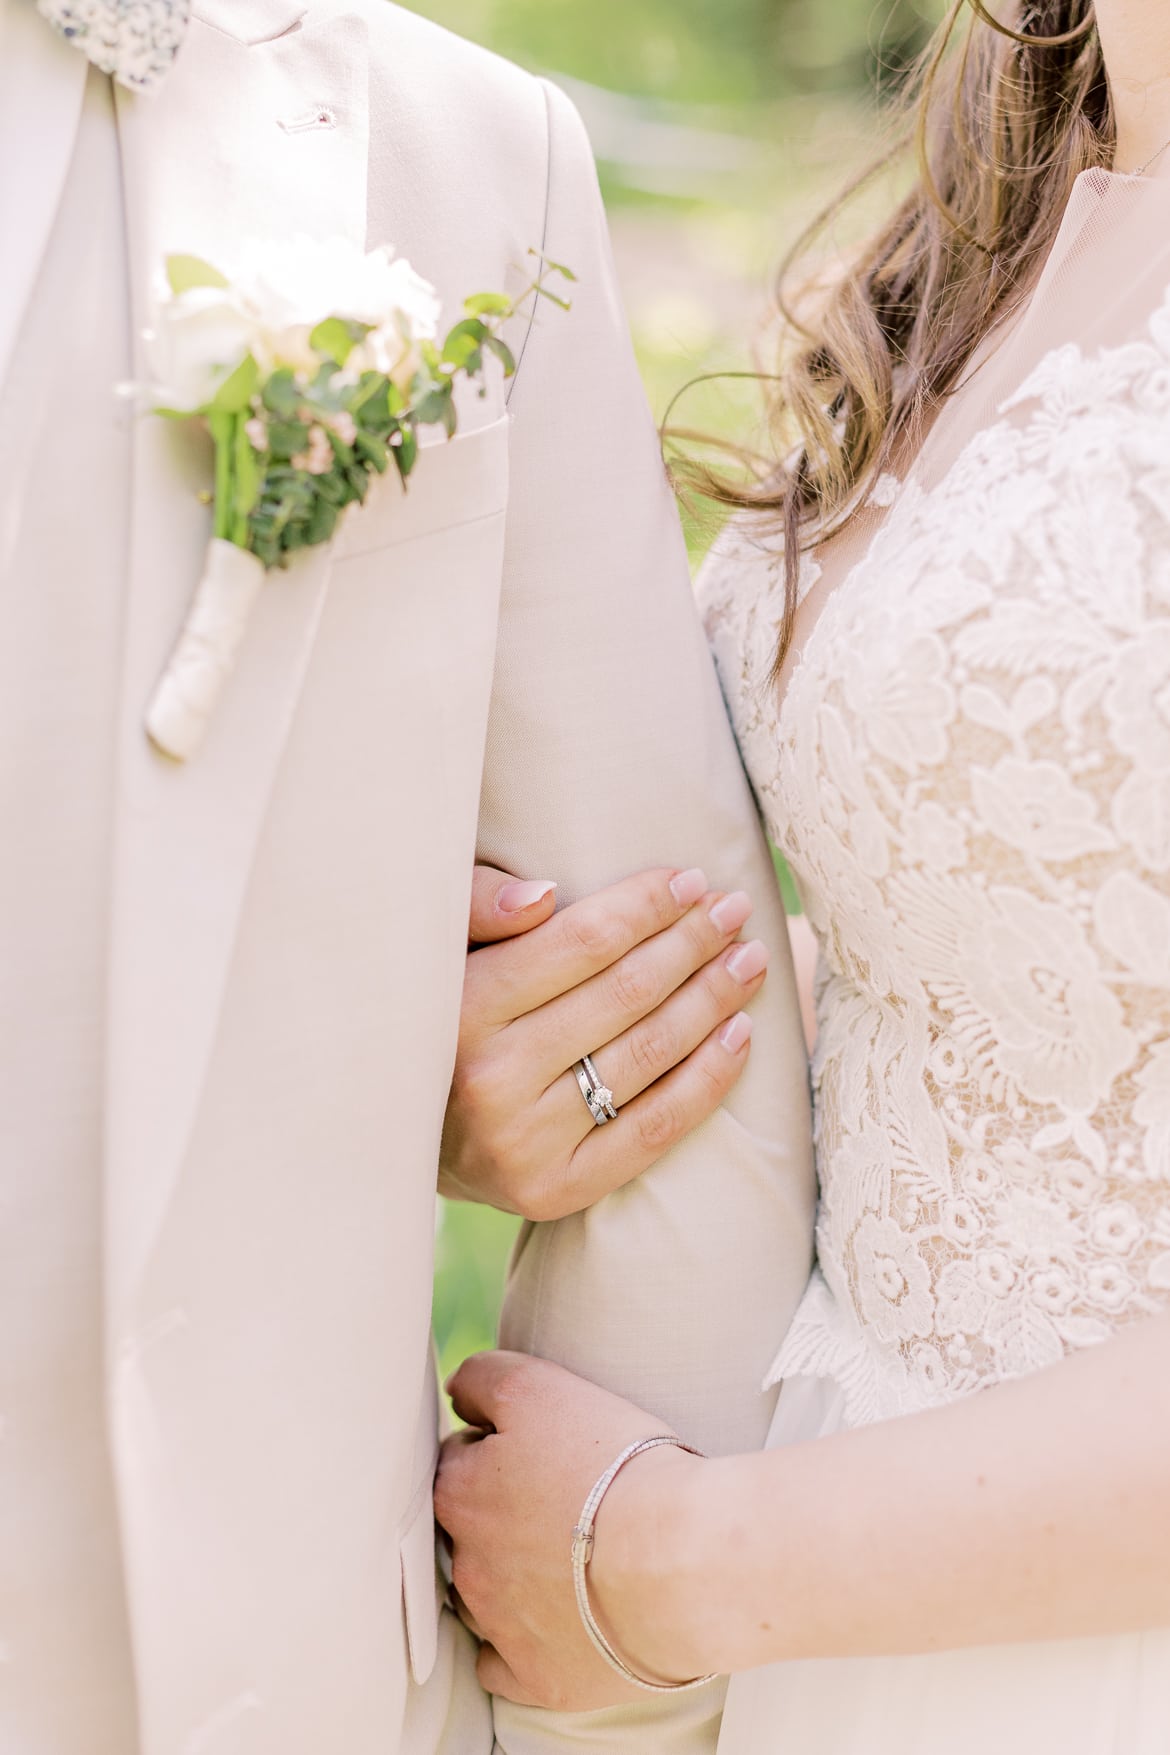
1035,1510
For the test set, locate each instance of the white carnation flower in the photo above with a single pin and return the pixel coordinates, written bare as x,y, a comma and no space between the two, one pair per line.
202,337
282,289
292,284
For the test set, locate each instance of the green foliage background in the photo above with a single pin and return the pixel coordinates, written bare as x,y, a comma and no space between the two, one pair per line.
708,52
774,101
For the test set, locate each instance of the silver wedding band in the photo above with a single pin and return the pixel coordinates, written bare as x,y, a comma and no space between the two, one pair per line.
598,1097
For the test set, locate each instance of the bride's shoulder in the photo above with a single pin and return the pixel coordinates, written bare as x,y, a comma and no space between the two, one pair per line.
744,562
740,592
743,579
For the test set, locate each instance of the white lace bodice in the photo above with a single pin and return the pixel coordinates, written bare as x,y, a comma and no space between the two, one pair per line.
970,777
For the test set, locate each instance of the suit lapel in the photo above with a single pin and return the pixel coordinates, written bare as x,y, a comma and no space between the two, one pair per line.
42,87
262,130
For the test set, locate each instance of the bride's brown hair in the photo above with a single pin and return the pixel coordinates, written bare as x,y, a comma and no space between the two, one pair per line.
1001,120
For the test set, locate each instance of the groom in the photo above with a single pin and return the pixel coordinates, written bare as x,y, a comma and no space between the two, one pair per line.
230,990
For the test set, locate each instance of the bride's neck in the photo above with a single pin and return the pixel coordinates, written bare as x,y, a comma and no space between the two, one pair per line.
1135,37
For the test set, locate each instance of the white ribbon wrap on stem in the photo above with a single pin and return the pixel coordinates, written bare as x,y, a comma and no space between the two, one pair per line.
206,652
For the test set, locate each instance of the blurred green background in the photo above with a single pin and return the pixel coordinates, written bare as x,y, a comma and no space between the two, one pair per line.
720,128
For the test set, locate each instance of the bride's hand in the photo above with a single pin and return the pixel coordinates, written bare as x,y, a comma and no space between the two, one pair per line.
648,978
508,1495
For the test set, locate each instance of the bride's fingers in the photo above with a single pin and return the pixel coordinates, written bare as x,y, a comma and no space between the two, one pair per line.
503,906
465,1614
507,981
644,1054
496,1677
635,988
645,1130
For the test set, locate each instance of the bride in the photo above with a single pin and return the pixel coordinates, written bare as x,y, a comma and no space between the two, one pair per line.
952,691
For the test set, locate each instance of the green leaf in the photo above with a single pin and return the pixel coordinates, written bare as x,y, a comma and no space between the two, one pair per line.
185,272
336,338
281,395
332,487
236,392
405,454
265,547
322,522
358,477
373,451
551,267
465,344
503,353
488,305
433,407
369,401
286,438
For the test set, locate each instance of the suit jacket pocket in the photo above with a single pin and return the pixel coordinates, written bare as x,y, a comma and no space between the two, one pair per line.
454,482
422,1588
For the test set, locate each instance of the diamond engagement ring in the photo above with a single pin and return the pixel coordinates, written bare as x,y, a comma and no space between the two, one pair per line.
598,1097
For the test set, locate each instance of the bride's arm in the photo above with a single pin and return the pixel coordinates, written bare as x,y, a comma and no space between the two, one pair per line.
1039,1509
1034,1510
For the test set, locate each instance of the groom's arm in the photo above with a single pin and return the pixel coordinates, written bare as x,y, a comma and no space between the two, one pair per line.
609,752
607,747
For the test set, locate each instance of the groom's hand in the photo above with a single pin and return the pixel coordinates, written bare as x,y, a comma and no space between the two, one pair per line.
509,1495
646,977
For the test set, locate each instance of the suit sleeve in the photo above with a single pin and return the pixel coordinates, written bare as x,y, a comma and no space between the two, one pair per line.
608,751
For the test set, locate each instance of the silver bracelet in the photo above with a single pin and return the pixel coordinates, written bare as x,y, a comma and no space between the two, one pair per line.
583,1537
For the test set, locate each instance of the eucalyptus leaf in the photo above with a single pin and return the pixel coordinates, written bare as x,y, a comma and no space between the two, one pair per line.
373,451
551,267
322,522
432,409
332,487
465,343
405,454
488,305
503,353
281,394
286,438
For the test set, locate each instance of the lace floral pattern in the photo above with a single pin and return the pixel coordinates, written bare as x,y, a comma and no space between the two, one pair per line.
970,776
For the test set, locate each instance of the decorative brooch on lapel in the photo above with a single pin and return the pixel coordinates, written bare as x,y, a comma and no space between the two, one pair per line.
313,369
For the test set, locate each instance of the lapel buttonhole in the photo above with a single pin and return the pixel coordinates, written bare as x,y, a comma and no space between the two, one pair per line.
321,116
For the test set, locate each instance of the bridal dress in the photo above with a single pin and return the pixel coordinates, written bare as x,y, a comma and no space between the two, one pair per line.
968,769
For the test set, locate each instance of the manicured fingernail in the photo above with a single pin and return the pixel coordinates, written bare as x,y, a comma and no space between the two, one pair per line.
688,886
730,912
736,1032
515,898
748,961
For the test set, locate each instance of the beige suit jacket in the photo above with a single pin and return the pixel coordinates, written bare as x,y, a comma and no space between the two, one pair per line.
289,910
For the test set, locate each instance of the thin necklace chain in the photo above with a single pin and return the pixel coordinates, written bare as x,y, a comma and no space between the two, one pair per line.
1142,169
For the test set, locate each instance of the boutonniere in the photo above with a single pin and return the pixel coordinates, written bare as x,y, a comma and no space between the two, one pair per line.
313,369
